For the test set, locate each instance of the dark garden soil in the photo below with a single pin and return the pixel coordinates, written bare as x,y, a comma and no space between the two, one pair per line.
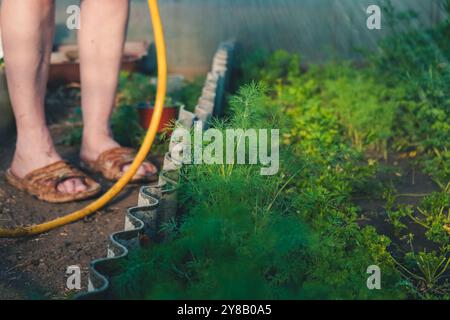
411,186
36,267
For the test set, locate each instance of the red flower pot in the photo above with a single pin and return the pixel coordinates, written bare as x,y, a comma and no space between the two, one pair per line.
168,116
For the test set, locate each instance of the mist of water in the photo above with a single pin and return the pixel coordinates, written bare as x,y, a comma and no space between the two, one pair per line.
318,29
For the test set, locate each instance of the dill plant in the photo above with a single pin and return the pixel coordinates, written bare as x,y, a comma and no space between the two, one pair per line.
246,236
296,235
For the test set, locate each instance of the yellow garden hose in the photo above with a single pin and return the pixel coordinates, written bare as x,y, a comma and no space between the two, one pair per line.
140,157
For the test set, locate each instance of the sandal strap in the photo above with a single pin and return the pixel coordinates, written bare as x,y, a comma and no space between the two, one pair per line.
49,177
111,162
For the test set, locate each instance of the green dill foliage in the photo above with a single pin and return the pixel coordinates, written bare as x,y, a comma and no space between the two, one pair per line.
237,239
298,234
242,235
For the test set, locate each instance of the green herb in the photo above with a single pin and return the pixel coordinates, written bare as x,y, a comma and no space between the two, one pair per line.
243,235
299,234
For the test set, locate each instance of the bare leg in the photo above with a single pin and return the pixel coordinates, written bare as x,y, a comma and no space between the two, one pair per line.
101,40
27,32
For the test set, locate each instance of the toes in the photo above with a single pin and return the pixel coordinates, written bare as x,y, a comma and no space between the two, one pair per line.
125,168
145,169
80,186
65,187
71,186
61,188
140,172
150,168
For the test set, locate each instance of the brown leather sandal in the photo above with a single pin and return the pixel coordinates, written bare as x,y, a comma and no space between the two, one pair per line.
111,162
43,183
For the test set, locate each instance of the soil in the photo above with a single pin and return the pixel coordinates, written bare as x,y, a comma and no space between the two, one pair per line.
401,174
35,268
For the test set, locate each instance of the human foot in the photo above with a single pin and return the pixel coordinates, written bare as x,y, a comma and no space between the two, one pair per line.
97,146
35,150
43,183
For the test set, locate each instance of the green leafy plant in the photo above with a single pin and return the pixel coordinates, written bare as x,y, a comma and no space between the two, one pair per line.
396,217
429,270
268,67
364,107
434,216
126,127
243,235
135,88
298,235
418,58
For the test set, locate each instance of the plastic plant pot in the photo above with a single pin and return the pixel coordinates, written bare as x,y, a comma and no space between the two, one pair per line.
170,114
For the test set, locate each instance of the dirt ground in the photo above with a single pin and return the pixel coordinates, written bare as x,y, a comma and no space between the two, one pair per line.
35,268
413,185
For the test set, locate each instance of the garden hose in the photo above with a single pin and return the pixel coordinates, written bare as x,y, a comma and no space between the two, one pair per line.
140,157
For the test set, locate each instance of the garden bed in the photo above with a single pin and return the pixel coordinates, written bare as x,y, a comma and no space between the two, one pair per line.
364,181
